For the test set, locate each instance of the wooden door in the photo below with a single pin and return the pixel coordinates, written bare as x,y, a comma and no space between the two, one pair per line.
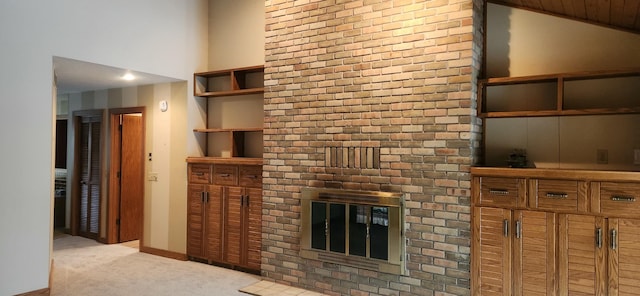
624,257
534,263
132,177
214,222
195,221
491,251
88,164
582,255
253,230
233,225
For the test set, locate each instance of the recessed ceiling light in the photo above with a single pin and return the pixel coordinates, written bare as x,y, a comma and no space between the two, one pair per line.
128,76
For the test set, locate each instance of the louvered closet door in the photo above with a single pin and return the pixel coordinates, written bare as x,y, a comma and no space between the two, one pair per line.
491,251
214,222
89,217
582,255
624,257
233,225
534,266
253,237
195,221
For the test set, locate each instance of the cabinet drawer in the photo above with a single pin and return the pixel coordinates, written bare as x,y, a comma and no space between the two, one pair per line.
225,175
558,195
619,198
502,192
199,173
250,176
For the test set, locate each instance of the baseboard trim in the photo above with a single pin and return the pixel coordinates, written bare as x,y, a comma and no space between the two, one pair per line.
41,292
164,253
45,291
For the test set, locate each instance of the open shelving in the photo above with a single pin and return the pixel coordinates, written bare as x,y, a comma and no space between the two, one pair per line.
217,85
566,94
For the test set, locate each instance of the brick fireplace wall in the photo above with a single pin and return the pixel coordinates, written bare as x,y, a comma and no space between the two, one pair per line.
397,77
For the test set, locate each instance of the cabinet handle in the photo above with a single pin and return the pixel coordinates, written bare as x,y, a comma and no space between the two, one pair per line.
559,195
252,176
614,238
599,238
225,175
326,227
506,227
198,173
518,228
247,197
623,198
499,191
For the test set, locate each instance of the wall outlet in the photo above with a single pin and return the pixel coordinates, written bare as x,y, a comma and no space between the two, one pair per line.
602,156
636,156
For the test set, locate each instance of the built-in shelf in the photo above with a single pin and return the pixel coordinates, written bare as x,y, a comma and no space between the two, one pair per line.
236,145
229,82
566,94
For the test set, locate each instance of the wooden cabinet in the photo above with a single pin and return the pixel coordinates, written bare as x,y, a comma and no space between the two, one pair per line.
224,222
567,233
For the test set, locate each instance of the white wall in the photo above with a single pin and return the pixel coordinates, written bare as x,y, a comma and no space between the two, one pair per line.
521,43
167,38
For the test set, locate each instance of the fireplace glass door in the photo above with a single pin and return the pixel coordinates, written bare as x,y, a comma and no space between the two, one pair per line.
366,234
357,228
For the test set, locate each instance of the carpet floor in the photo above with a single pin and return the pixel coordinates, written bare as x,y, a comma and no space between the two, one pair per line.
86,267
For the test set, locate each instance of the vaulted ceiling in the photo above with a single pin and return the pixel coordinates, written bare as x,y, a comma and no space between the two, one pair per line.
617,14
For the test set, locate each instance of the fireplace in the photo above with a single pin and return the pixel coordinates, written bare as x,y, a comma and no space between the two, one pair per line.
363,229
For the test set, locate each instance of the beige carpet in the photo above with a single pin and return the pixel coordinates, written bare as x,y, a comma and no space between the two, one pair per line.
85,267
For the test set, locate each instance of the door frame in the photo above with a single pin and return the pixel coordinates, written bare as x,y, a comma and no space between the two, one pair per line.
113,201
75,179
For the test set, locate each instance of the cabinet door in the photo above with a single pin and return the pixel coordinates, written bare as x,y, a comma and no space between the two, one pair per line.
214,215
624,257
233,225
491,251
195,221
253,221
534,260
582,255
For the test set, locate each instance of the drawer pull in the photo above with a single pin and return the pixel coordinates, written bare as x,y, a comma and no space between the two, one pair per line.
198,174
599,238
225,175
623,198
558,195
252,176
499,191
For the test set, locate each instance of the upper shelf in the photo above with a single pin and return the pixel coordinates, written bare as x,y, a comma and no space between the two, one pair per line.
229,82
566,94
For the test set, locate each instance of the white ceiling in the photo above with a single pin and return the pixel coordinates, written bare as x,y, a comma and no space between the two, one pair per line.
73,76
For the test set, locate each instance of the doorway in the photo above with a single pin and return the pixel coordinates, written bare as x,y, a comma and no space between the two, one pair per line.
126,175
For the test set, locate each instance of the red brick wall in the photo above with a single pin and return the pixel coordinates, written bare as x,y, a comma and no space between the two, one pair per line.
396,76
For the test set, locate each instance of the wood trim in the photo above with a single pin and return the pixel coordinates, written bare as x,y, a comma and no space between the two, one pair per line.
563,174
41,292
226,160
164,253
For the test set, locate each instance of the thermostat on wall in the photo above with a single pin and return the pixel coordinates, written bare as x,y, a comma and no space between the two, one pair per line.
164,105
